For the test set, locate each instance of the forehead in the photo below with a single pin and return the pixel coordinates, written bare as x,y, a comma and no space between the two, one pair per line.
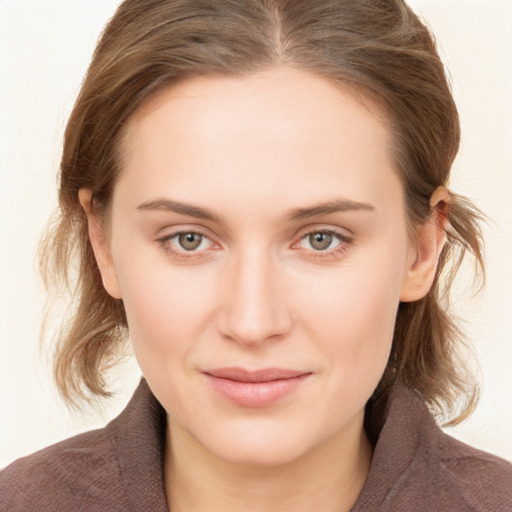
263,134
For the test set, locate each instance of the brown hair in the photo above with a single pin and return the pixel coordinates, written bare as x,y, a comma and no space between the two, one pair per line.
377,46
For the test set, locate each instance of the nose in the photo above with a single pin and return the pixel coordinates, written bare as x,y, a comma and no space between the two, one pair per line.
254,308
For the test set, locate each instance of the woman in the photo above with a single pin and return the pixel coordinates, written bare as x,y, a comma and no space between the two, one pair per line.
257,193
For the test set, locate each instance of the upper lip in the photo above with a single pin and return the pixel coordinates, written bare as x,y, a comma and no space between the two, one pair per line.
263,375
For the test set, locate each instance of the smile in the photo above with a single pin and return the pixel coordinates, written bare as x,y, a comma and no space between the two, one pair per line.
255,389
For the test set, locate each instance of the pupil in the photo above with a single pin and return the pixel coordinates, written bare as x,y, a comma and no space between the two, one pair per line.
320,241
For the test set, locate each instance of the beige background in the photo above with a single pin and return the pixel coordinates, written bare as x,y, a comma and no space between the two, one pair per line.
44,50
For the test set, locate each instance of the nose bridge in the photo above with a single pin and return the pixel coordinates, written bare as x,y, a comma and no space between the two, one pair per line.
255,308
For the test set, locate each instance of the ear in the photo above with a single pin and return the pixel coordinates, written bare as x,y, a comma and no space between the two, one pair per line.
430,240
100,245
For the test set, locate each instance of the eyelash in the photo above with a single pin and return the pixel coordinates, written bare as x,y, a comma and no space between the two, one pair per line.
344,243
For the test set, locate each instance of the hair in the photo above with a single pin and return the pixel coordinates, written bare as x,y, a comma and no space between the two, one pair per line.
377,47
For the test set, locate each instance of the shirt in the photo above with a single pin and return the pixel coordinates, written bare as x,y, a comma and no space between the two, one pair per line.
415,466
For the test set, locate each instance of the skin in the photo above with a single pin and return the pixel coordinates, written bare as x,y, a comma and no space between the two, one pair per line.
256,292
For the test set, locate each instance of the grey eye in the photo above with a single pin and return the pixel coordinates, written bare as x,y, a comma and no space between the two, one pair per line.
190,241
320,241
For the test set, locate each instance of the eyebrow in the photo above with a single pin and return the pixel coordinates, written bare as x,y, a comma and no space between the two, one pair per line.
180,208
335,206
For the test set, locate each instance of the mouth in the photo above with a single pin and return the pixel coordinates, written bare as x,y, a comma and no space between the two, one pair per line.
255,389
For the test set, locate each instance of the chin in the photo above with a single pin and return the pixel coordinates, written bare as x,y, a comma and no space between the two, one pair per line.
260,444
260,455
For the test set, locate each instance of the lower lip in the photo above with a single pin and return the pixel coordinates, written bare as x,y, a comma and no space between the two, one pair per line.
255,394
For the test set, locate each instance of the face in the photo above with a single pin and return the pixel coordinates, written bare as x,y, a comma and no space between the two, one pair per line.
258,241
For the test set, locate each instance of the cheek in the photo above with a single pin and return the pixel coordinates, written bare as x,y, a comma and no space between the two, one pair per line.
166,308
352,312
357,322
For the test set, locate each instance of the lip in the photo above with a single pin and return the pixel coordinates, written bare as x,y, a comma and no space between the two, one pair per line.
255,389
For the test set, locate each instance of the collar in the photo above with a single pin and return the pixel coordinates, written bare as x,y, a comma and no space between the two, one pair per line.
405,447
138,435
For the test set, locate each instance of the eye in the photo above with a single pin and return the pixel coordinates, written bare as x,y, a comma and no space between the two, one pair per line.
189,241
321,241
182,243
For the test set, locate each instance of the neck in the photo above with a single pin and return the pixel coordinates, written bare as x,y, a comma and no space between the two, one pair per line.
328,478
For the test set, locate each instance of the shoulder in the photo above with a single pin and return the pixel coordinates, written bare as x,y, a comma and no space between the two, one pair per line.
116,468
477,477
68,475
417,466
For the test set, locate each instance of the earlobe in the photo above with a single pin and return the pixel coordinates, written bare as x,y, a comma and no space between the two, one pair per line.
430,240
100,245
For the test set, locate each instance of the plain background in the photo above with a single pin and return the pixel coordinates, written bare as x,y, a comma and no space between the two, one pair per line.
45,46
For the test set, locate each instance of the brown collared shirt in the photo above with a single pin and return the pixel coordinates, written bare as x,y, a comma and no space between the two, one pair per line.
416,467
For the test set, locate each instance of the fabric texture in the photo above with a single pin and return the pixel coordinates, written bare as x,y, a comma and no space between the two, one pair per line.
416,467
